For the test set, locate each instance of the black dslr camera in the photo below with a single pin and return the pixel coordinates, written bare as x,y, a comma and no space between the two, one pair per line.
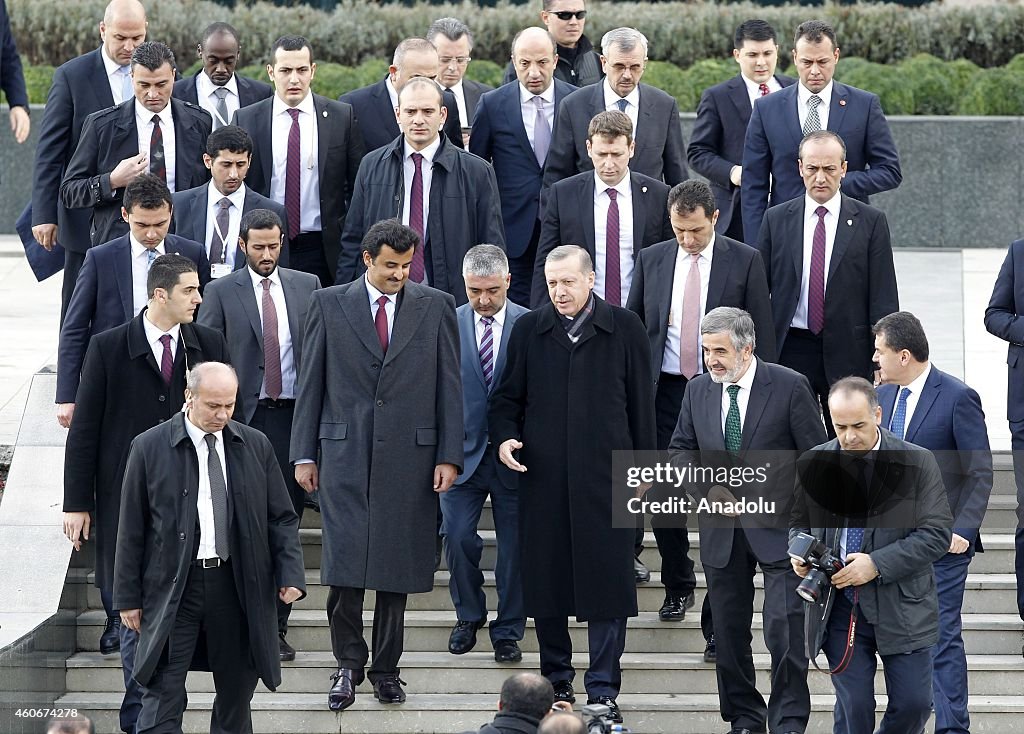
810,551
599,721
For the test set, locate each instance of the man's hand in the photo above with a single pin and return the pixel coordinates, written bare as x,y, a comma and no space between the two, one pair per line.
126,171
959,544
444,477
799,568
76,527
505,454
132,619
858,571
563,706
736,175
65,412
20,124
288,594
307,476
46,235
718,493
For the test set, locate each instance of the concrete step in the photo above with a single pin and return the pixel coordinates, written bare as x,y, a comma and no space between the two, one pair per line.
445,713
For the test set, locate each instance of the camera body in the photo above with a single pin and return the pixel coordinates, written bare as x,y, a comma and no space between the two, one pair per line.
598,720
810,551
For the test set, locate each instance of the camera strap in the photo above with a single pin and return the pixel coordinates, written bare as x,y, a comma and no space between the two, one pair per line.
850,637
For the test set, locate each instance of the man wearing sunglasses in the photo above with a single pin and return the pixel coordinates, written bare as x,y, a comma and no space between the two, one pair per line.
578,63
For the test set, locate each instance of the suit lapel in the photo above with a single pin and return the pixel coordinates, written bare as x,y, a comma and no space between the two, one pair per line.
247,297
355,305
640,210
795,236
407,321
198,214
126,137
756,403
389,121
932,388
514,114
740,99
323,131
265,136
712,410
845,228
837,107
186,141
123,277
100,83
664,278
720,264
792,115
506,330
586,192
296,320
467,329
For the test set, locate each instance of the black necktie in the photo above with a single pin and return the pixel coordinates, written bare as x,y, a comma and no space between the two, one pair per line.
157,164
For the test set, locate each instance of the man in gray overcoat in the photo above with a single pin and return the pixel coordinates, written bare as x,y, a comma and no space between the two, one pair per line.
378,429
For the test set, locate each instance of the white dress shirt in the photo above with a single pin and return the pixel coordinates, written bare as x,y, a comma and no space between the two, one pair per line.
140,272
114,76
529,108
392,93
427,171
601,204
496,327
284,334
206,93
153,335
870,459
204,499
237,200
671,358
144,126
281,125
742,397
389,307
915,394
611,102
460,103
754,88
803,94
810,223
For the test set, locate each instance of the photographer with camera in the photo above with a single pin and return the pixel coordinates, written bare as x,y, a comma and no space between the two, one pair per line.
526,699
878,505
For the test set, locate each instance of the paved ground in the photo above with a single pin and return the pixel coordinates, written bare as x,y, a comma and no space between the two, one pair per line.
948,290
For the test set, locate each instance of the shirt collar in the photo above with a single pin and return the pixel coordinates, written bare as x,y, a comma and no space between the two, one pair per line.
109,64
392,92
748,377
428,153
707,253
374,294
622,187
456,88
918,384
138,248
153,332
198,435
526,96
754,88
206,87
306,105
803,94
213,197
499,318
146,116
833,205
257,279
612,97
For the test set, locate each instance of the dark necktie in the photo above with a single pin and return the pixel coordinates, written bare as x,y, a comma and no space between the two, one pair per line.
622,104
219,243
733,427
612,277
167,360
293,178
855,536
487,350
816,282
899,416
541,133
221,118
218,496
380,323
764,89
812,123
157,164
271,345
416,269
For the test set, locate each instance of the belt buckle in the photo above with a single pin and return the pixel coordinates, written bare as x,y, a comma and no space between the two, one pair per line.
210,563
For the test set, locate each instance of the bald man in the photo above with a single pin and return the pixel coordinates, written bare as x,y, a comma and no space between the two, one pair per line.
86,84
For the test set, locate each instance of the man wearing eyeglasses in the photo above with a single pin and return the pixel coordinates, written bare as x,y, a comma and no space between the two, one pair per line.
578,63
454,43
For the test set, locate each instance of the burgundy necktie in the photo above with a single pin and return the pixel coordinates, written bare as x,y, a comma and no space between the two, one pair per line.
764,89
157,164
293,178
487,350
271,345
167,360
816,283
612,278
416,271
380,323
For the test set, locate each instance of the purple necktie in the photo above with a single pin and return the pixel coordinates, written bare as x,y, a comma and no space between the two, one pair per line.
271,345
487,350
416,271
292,179
167,360
612,279
380,323
157,164
816,283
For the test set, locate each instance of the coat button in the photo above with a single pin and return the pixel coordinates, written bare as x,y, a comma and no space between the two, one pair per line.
181,536
185,492
380,403
375,366
162,398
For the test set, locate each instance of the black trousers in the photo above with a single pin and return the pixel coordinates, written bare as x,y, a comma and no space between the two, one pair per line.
209,607
307,255
345,615
607,640
73,262
522,269
273,418
803,352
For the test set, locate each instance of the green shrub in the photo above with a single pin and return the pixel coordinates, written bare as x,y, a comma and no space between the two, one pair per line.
888,82
486,72
994,92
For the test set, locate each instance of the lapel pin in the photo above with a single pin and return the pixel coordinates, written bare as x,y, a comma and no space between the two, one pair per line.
842,103
849,222
643,189
325,113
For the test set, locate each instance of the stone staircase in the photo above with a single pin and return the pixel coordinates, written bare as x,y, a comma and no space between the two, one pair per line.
666,685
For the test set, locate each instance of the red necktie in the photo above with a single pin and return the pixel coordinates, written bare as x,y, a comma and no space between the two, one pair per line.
416,270
612,279
293,178
271,345
167,360
764,89
380,323
816,283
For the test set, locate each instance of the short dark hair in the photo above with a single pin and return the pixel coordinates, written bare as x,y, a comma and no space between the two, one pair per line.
855,385
165,272
686,197
903,330
218,27
229,137
147,191
290,43
753,30
817,136
527,694
814,31
258,219
153,55
392,233
610,124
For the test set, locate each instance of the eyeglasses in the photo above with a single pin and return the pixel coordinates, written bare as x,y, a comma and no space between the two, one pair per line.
460,60
569,14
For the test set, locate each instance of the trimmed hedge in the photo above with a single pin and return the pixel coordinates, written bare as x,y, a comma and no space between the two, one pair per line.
49,32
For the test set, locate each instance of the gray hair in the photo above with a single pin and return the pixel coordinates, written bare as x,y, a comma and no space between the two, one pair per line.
451,28
415,45
735,321
626,39
484,260
853,386
564,252
195,375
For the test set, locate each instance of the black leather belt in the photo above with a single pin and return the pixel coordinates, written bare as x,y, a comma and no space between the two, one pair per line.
277,404
210,562
669,377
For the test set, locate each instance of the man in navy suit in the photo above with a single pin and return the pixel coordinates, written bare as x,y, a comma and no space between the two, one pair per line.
454,43
716,146
212,213
780,121
512,130
660,152
485,323
111,287
932,409
216,87
86,84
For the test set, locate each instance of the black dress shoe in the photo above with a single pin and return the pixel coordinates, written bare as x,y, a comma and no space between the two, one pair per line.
343,692
287,651
463,636
612,706
507,651
110,640
640,571
710,651
389,689
564,691
674,608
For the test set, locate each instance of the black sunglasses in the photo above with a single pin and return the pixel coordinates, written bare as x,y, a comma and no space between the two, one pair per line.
567,14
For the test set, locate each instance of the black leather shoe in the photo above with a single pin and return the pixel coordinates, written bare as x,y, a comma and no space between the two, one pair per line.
640,571
389,689
674,608
610,703
287,651
463,636
343,692
564,691
110,640
710,651
507,651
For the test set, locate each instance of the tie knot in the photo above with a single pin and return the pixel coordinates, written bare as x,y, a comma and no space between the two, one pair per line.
487,320
417,159
221,93
125,70
733,390
622,105
814,101
224,203
764,88
165,339
156,120
294,113
382,301
266,284
694,257
539,102
211,441
612,193
821,212
904,394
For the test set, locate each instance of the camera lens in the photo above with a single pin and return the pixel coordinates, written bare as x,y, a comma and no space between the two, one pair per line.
813,586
